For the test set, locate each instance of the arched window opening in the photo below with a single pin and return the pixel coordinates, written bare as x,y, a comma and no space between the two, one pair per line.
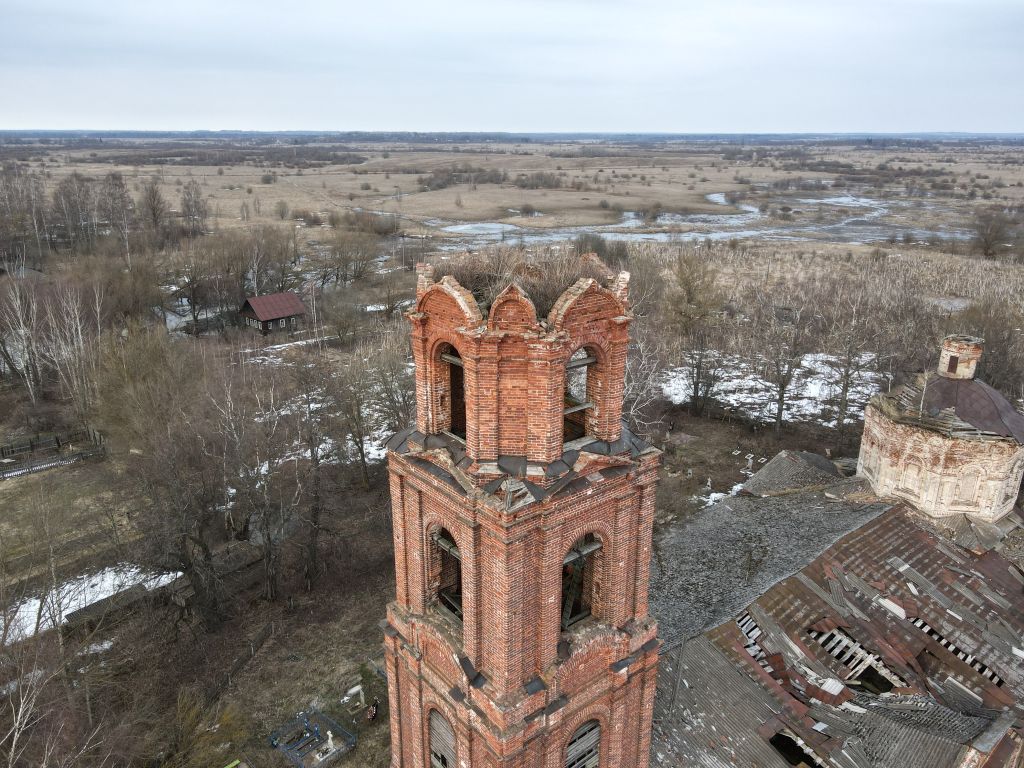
578,394
453,402
967,487
579,580
912,477
584,749
442,741
446,573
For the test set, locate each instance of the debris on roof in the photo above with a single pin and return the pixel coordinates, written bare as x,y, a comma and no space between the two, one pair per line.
962,408
845,632
706,569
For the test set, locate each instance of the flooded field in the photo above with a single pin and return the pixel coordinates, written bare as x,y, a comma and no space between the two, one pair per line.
847,218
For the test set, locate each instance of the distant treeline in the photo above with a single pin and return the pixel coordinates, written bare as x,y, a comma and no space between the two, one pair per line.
291,157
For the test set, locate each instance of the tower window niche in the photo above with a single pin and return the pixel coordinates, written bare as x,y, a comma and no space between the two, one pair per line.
578,394
446,573
580,580
453,397
442,741
584,748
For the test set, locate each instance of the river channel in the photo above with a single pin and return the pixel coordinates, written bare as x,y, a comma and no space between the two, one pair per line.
845,218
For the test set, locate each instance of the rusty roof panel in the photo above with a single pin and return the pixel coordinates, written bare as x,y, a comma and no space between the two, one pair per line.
275,306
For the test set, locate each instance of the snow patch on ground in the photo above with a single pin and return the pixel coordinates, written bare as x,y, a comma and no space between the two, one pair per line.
716,496
811,396
44,612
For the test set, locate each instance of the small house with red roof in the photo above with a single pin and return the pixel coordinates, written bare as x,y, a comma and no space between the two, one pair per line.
273,312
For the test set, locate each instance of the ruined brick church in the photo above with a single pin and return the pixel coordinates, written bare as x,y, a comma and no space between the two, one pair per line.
947,443
813,618
523,511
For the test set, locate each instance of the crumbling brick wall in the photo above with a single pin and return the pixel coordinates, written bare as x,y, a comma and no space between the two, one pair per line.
938,474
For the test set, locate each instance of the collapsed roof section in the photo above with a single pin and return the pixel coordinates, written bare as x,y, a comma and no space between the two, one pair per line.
959,408
817,625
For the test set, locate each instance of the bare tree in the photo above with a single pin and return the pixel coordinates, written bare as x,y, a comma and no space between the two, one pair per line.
992,228
74,203
194,208
257,451
71,347
154,400
355,403
390,375
780,337
644,369
195,283
696,322
153,206
704,348
21,332
118,208
313,405
852,338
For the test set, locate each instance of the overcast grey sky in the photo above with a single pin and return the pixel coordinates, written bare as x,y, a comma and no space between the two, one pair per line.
514,65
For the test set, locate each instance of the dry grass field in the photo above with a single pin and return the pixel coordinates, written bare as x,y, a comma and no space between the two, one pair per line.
594,190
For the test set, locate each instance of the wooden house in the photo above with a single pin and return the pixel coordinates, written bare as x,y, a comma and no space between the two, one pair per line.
273,312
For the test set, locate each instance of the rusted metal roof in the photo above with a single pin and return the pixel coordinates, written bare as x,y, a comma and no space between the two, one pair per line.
944,621
275,306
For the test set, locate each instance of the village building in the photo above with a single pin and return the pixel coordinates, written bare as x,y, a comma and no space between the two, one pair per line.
273,312
947,443
523,508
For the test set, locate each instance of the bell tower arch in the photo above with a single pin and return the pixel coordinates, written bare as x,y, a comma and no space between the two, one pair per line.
523,508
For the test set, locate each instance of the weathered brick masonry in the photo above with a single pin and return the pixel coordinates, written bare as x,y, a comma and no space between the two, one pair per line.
948,443
530,514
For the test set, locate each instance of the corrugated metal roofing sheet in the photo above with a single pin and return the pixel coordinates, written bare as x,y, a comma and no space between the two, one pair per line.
950,704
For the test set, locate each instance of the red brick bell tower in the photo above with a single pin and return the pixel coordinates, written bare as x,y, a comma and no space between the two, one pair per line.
519,635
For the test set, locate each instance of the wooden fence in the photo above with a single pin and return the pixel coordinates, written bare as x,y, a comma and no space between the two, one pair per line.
20,456
48,441
240,662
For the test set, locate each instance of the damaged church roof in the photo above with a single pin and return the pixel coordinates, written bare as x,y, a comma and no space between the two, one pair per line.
791,470
704,570
954,407
770,606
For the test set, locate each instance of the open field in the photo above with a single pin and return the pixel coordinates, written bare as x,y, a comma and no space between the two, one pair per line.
563,185
81,511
